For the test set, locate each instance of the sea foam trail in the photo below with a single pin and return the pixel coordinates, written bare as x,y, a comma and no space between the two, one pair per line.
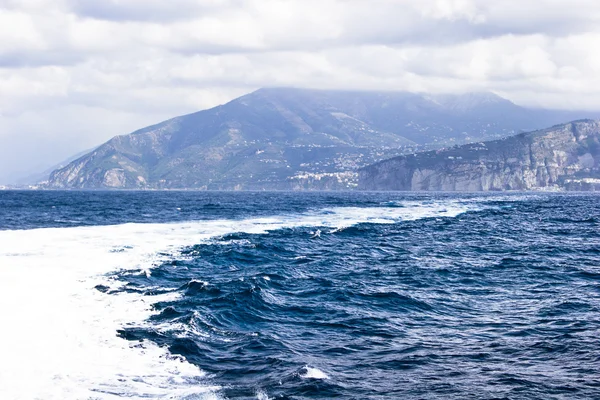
59,339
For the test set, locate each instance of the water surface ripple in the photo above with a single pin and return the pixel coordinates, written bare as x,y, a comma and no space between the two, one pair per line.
500,300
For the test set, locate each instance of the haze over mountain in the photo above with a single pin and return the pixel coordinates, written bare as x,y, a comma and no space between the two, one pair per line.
296,139
41,176
565,156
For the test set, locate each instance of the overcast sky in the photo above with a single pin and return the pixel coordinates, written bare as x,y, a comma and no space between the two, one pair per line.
74,73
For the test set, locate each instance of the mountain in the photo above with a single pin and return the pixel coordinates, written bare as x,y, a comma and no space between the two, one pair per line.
294,139
562,157
38,176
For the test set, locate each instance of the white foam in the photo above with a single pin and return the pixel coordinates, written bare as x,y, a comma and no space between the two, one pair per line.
261,395
59,335
58,338
313,373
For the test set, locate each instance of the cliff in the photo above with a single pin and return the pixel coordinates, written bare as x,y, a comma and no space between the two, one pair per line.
562,157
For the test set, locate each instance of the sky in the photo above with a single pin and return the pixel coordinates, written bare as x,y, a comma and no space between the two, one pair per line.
74,73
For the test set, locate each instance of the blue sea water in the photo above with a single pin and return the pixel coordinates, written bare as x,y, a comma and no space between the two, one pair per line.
190,295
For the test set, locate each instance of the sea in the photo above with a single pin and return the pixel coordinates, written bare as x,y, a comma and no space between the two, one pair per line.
299,295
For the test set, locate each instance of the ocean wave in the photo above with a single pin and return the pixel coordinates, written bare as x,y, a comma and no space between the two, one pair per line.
313,373
79,355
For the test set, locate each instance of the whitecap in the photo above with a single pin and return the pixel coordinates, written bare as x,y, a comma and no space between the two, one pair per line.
313,373
261,395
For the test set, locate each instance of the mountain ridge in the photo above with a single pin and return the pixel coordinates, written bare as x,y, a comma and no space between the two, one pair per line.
282,138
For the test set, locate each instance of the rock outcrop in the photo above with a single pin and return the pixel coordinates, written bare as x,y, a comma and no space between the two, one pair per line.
562,157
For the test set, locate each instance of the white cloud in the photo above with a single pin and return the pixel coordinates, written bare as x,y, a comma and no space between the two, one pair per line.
76,72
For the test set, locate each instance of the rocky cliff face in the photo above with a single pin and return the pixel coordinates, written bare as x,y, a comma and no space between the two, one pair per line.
562,157
293,139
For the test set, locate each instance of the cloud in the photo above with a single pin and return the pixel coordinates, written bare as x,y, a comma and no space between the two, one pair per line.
147,10
69,66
